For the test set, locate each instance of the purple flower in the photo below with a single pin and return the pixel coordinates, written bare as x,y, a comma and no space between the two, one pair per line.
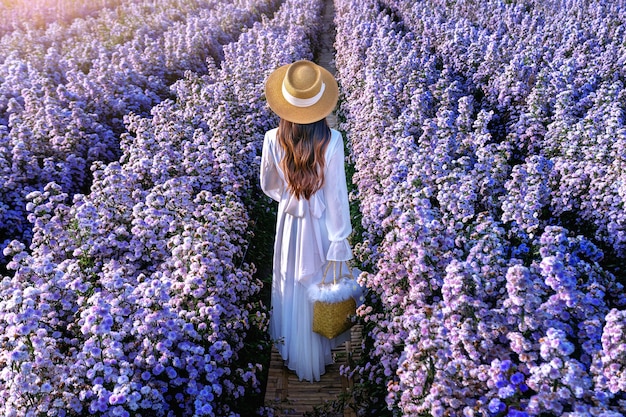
517,378
505,365
496,406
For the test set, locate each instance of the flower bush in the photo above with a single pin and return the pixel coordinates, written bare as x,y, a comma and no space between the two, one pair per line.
137,298
64,91
485,144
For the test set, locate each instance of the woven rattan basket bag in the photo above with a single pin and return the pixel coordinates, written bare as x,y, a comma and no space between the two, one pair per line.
334,303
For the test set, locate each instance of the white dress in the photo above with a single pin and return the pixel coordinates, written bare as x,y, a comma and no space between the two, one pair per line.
308,234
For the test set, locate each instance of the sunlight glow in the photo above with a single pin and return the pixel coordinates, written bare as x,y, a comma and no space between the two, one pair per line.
38,13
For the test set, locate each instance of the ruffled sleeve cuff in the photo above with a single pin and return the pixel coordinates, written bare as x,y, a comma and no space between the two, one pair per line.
339,251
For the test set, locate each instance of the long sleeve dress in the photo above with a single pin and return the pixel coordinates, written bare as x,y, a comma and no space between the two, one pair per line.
309,233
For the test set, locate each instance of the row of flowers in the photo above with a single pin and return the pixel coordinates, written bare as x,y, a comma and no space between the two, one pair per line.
488,145
64,91
137,298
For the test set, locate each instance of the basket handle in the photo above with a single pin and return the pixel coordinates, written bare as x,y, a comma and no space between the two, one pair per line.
334,263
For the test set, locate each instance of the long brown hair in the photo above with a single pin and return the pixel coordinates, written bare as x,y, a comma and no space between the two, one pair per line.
303,161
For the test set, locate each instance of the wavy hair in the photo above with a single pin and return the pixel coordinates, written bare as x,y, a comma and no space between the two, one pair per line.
303,160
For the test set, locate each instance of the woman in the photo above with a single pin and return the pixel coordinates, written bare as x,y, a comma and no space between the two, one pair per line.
302,167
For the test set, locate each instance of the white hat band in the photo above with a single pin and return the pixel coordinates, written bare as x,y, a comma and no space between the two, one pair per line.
303,102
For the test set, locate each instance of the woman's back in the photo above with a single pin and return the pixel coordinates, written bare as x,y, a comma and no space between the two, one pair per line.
302,168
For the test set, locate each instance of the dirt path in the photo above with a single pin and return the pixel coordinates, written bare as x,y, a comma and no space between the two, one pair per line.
326,55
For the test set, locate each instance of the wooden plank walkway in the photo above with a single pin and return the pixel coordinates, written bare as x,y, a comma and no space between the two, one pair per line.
290,397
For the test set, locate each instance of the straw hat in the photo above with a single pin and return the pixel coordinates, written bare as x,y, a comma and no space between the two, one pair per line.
301,92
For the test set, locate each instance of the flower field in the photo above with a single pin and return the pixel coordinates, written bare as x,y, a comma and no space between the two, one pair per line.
135,298
64,92
487,142
37,13
489,146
